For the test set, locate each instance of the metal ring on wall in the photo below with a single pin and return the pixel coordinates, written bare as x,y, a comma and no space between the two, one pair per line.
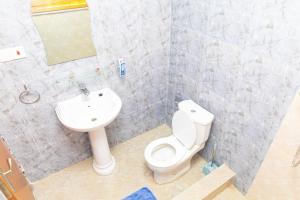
29,97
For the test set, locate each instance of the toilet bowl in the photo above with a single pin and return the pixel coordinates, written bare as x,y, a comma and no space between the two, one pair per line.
170,157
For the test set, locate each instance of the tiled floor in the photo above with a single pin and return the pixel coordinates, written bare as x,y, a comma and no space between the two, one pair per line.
230,193
80,182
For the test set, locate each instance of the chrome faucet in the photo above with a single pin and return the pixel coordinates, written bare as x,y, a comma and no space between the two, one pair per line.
83,89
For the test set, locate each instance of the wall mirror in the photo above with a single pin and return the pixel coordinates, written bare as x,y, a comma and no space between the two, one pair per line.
64,27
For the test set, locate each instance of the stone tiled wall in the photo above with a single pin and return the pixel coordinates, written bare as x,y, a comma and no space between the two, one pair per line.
138,31
241,61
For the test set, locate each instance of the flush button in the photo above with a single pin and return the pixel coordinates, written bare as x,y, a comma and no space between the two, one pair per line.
100,94
193,111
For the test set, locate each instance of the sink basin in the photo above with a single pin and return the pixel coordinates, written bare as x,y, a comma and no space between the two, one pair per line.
85,114
92,114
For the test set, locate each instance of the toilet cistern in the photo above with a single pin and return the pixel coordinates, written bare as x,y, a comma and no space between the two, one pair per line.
92,115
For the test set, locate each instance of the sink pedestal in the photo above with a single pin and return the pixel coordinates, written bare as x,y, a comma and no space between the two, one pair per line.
104,163
92,115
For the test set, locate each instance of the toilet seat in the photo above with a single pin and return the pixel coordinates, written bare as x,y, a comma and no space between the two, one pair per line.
168,151
164,152
170,157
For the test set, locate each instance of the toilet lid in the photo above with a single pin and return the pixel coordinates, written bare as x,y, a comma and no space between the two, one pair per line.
184,129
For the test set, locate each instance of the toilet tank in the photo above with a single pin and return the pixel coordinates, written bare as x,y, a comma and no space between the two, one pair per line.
201,117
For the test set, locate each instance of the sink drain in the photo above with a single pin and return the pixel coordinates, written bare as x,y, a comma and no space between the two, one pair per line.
94,119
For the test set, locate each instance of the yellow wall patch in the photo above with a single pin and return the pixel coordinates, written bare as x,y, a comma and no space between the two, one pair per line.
41,6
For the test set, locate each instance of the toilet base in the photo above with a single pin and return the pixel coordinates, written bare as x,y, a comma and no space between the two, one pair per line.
167,177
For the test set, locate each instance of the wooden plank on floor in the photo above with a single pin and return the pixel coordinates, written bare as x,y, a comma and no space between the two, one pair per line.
209,186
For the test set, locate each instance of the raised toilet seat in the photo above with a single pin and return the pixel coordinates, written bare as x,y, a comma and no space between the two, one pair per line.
170,157
167,156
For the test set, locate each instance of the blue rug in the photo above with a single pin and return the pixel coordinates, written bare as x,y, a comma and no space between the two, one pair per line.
142,194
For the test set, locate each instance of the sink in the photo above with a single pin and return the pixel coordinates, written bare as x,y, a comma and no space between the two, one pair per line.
92,113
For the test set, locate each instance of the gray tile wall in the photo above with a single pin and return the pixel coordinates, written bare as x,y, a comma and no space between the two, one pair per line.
137,30
241,61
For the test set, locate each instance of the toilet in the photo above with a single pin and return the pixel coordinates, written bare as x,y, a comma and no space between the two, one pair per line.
170,157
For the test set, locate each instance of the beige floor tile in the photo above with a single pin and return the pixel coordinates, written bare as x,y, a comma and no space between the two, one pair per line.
230,193
80,182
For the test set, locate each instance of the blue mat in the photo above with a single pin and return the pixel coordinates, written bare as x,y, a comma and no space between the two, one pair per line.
142,194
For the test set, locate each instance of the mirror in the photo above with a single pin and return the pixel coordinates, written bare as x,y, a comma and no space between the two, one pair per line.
64,26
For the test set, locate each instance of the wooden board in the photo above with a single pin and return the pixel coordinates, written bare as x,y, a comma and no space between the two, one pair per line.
15,182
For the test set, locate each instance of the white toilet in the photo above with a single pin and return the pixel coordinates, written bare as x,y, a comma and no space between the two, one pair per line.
170,157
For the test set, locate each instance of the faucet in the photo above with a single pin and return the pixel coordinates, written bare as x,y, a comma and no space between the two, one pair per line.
83,89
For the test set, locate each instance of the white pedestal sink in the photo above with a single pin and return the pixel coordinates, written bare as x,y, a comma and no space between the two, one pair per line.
91,114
